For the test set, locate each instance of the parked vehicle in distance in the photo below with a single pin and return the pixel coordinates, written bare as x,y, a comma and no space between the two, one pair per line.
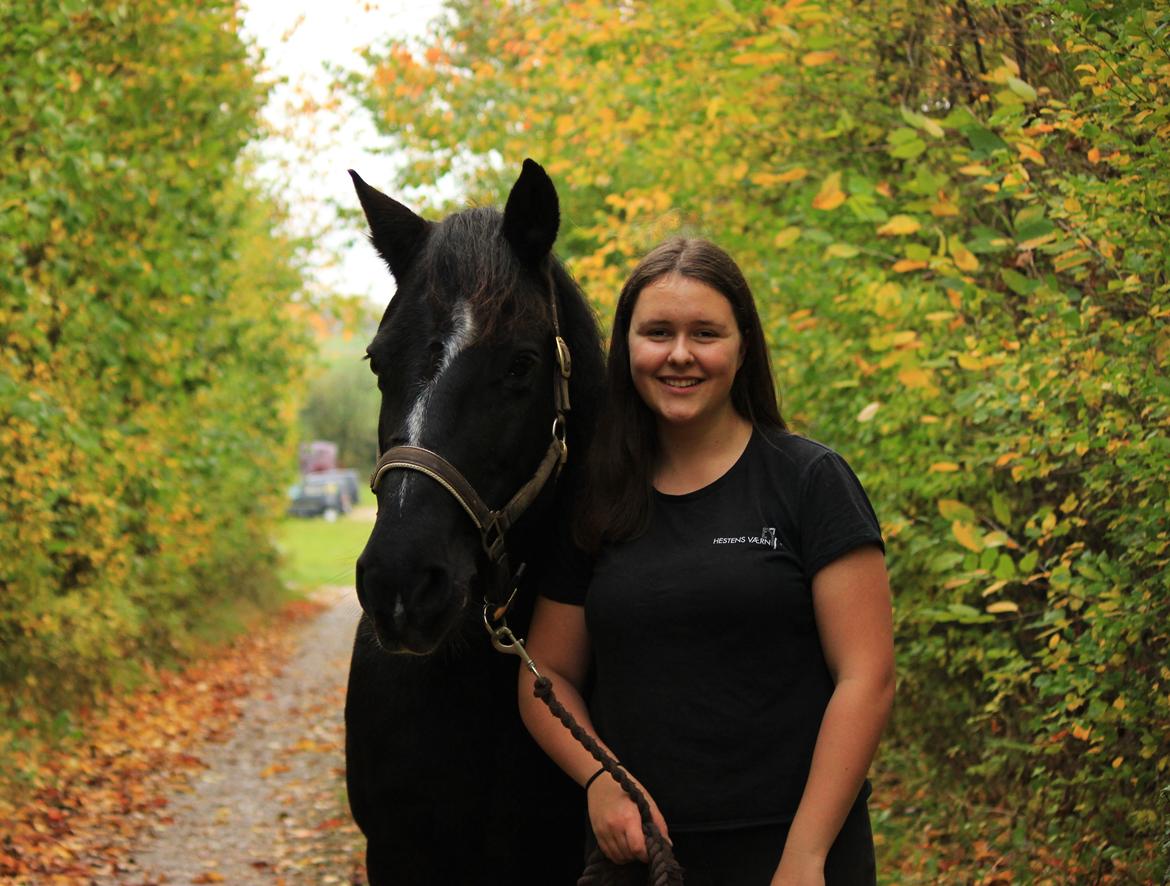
327,494
317,456
348,481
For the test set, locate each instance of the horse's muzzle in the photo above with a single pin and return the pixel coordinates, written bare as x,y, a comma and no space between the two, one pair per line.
411,610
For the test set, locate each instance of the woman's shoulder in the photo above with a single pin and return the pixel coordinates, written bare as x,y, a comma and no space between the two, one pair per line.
794,450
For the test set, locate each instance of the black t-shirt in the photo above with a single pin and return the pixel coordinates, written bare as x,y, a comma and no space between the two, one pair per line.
709,678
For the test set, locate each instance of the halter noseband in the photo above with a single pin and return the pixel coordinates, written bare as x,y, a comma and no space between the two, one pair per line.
494,525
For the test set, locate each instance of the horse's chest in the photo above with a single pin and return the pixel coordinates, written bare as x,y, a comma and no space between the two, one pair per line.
453,718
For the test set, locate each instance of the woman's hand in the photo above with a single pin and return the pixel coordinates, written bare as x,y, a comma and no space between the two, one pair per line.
616,821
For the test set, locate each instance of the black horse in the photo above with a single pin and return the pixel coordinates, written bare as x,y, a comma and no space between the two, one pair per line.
444,781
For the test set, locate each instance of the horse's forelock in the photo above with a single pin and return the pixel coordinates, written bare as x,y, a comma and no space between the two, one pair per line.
467,261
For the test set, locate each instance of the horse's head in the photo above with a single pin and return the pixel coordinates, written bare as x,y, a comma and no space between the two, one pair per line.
465,359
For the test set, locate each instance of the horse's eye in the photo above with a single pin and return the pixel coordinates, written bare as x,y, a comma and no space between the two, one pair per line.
373,365
521,365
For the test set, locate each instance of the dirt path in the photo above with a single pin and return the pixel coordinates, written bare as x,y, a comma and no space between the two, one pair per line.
270,806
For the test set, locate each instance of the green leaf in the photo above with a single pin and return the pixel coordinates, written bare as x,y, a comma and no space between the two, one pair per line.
921,121
983,140
985,240
907,150
1001,508
1005,567
1033,228
1022,89
1017,282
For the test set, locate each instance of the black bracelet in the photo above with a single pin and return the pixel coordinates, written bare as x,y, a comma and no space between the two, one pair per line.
593,778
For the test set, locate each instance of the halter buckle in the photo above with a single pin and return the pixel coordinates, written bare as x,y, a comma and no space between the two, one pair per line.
564,358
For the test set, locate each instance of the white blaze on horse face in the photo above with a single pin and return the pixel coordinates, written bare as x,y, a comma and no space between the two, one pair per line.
462,333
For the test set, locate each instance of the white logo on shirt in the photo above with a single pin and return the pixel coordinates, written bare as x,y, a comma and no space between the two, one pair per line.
767,538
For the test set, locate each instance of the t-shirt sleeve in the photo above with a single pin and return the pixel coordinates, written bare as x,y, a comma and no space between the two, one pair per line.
566,572
835,515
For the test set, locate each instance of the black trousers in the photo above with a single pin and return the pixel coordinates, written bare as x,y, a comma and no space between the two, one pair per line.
750,856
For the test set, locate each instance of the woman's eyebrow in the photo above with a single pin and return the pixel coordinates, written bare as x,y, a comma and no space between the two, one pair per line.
664,321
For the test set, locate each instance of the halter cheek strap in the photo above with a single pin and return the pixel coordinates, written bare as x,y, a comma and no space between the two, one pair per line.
492,525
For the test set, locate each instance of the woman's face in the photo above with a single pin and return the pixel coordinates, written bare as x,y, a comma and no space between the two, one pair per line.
685,348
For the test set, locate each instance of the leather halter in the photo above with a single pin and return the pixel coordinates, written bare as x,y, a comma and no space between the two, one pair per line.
493,525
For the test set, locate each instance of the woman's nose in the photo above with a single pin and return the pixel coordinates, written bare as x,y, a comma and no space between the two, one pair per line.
680,352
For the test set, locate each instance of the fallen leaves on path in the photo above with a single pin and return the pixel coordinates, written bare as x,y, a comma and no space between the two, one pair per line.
82,806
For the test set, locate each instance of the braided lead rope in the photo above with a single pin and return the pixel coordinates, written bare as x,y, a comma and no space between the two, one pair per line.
664,870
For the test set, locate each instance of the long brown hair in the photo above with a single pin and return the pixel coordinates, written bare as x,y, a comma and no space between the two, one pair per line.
615,503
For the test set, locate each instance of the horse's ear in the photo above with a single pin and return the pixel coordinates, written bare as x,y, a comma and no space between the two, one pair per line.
532,214
396,232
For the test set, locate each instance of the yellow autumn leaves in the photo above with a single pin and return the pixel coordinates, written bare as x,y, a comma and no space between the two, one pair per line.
768,179
830,196
899,226
951,251
146,362
968,533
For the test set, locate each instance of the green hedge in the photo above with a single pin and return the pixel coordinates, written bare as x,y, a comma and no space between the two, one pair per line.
954,214
147,354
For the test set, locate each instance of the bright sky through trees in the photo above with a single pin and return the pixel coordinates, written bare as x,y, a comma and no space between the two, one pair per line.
317,134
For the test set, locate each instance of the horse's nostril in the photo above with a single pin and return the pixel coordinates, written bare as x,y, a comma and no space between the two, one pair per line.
399,614
436,579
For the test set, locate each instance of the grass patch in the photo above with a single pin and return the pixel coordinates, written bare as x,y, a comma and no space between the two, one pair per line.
314,552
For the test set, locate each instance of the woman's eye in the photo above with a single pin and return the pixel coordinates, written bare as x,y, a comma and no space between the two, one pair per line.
373,365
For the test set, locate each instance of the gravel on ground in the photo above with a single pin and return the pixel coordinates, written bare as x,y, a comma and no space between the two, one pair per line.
269,807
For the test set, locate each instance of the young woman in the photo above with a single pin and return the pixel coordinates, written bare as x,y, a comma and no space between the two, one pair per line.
727,602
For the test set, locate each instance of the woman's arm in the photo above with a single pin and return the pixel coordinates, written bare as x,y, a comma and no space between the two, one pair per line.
558,642
851,597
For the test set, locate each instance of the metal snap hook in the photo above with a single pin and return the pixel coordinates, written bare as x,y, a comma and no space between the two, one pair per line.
503,640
